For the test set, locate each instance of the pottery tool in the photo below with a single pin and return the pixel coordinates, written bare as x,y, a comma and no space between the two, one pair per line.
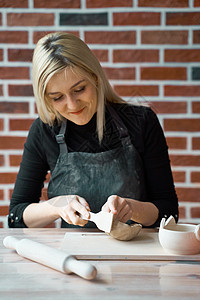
50,257
102,219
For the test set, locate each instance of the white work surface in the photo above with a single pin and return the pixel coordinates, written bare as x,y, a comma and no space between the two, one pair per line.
100,246
22,279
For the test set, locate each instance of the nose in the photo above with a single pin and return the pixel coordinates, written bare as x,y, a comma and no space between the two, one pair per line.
71,102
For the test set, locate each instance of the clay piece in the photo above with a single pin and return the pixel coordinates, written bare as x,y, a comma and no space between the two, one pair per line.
124,232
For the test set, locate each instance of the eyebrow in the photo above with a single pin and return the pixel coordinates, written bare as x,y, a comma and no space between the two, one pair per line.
73,86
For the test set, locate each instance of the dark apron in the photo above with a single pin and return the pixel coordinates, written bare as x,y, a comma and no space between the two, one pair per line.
96,176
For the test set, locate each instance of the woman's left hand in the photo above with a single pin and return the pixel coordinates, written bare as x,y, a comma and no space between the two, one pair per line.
120,207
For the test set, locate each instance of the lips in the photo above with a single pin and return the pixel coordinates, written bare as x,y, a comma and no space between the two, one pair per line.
77,112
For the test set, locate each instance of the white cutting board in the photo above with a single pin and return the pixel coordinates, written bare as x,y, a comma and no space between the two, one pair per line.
99,246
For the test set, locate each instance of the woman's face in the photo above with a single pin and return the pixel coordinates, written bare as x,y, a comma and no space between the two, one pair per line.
73,96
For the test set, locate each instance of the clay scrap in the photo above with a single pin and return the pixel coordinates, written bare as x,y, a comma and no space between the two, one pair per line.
124,232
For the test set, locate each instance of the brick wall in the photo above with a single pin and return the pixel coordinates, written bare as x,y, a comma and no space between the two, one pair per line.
150,49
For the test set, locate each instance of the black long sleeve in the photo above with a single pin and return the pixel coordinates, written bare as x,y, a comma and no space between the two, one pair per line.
41,152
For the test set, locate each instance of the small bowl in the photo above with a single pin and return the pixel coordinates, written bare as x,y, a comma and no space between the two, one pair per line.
181,239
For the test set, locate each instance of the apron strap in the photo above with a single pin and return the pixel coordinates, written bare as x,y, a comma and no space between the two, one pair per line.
60,138
123,131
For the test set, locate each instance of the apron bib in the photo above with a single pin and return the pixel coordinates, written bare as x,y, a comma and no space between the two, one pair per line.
96,176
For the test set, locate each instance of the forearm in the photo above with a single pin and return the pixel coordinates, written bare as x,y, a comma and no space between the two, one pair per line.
145,213
68,207
40,214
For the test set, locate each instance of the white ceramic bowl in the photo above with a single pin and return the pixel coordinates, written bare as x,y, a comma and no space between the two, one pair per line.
181,239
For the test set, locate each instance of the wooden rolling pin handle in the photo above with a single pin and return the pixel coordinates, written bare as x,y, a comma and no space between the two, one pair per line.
50,257
81,268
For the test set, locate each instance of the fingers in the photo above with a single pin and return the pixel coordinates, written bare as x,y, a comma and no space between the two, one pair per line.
111,204
118,206
83,202
75,207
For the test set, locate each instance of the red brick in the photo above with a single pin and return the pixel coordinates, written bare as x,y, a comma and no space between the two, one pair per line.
1,124
136,90
110,37
37,35
10,193
169,107
183,18
14,3
136,18
163,3
12,142
20,90
190,125
106,3
102,55
20,124
196,36
14,72
1,54
30,19
196,3
163,73
196,107
178,143
140,55
1,195
14,107
182,90
181,212
179,176
195,177
0,19
160,37
6,178
120,73
35,108
57,4
15,160
4,210
185,160
182,55
196,143
1,225
13,37
195,212
188,194
1,160
1,90
20,54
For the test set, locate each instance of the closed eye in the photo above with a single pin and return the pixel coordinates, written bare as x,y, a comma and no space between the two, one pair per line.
57,98
80,89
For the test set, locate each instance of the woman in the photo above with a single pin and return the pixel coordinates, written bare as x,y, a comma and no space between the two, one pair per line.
103,154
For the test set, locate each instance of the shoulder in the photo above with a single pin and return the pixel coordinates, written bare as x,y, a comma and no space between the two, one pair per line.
40,128
137,113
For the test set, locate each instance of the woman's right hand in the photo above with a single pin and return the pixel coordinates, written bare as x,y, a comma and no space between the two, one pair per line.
70,207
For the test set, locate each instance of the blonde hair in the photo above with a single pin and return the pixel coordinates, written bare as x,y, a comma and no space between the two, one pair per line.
57,51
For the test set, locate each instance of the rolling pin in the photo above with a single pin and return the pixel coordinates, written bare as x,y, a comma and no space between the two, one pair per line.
50,257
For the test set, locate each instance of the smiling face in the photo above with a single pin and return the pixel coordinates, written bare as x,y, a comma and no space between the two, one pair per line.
73,96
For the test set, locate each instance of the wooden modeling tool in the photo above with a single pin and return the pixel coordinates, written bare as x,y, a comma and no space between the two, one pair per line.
102,219
50,257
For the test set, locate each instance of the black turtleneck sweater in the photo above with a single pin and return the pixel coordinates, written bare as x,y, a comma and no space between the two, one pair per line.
41,153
